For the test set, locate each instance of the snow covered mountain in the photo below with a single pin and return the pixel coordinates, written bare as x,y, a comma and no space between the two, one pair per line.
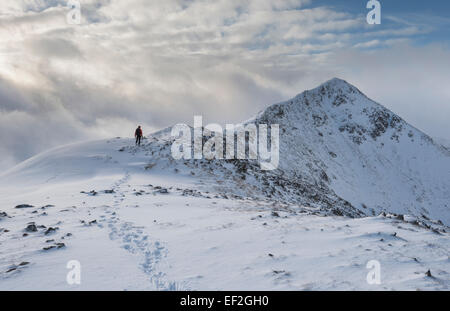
337,137
135,218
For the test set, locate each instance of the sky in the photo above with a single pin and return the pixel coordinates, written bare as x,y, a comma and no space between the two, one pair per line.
157,63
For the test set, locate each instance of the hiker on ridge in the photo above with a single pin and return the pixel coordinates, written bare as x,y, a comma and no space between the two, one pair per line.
138,135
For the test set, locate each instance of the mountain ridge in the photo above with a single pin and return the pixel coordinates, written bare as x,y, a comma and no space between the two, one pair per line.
339,151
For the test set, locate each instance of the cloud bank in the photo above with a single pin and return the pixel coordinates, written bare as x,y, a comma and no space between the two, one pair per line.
157,63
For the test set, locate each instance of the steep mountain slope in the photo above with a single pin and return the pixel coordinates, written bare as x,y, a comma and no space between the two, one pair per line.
366,154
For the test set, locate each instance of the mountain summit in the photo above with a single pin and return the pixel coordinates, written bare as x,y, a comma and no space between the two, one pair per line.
336,136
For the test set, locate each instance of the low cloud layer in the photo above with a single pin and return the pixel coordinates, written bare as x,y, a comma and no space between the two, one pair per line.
157,63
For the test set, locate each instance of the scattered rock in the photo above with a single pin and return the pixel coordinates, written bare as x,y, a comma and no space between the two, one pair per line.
24,206
92,192
428,273
163,191
56,245
275,214
278,271
425,217
401,217
337,212
435,230
31,228
51,230
415,223
109,191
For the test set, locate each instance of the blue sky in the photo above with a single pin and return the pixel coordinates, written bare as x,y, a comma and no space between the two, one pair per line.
158,63
433,17
398,8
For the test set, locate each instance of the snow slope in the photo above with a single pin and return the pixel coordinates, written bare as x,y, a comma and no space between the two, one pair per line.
137,219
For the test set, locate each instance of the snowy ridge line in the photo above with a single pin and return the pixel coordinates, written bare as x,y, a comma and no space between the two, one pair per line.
344,151
339,150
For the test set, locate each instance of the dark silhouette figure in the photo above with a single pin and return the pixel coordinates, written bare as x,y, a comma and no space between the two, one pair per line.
138,135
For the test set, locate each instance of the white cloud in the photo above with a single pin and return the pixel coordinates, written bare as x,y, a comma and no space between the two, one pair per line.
160,62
